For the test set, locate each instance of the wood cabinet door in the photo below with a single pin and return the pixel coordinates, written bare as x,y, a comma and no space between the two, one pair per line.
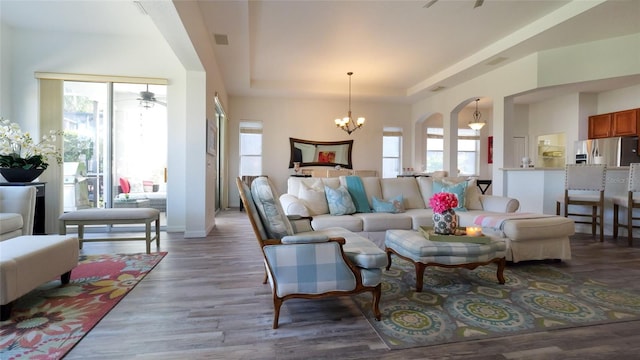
600,126
625,123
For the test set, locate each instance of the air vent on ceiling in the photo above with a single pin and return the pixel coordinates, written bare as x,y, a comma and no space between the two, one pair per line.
221,39
430,3
497,60
477,4
438,88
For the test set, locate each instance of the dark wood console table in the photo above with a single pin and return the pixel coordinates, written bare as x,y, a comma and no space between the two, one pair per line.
38,222
483,185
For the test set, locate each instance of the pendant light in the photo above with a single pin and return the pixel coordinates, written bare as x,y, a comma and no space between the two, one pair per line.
476,123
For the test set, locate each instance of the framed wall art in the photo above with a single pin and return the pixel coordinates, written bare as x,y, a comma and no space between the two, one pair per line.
490,150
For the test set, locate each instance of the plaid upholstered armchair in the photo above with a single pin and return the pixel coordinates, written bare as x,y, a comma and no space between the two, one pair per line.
302,263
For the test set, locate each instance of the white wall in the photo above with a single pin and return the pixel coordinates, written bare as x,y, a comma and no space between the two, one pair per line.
309,119
619,99
556,115
567,114
197,33
594,60
5,70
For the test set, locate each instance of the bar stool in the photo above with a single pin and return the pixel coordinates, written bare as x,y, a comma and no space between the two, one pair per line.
584,185
628,202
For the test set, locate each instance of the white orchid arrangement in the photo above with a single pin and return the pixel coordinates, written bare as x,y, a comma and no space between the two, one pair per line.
18,149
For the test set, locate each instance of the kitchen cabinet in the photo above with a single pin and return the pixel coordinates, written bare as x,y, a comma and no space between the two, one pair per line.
619,123
600,126
625,123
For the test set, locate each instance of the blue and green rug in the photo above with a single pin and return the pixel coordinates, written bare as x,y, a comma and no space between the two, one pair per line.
460,305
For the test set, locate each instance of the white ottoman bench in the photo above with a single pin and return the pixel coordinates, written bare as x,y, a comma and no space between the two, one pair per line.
144,216
412,246
29,261
538,238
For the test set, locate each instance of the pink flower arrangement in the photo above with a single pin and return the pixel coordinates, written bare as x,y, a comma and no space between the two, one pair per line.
443,201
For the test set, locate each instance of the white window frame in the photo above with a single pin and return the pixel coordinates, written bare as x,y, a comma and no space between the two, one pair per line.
433,133
466,135
463,135
386,171
252,128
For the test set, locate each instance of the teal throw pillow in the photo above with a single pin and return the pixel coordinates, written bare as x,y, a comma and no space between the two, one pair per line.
394,206
457,189
339,201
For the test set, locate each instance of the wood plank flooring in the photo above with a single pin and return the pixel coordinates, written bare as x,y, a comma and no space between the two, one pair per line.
206,300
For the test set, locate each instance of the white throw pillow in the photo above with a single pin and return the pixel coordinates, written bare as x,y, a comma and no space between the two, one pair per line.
313,198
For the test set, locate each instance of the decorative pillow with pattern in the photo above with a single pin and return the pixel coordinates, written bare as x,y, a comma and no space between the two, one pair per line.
394,206
273,217
457,189
339,201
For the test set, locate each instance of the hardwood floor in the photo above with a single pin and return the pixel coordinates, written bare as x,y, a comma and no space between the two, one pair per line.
206,300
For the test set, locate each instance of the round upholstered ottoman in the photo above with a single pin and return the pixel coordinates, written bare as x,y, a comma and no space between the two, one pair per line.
412,246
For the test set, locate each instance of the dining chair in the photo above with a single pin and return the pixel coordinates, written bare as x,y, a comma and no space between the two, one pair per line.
629,202
584,186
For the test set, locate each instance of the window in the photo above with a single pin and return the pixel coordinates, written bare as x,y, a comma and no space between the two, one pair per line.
468,150
391,150
435,150
250,148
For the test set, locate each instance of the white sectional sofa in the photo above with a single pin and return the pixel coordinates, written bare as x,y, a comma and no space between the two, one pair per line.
536,237
305,197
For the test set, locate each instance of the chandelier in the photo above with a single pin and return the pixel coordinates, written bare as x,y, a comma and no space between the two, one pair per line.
476,124
347,123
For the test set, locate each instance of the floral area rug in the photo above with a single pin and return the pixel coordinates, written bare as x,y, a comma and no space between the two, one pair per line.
49,321
460,305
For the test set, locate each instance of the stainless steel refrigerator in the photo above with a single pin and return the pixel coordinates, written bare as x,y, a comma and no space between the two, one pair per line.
615,151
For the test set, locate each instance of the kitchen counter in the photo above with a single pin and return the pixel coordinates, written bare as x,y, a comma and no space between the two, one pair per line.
612,168
537,190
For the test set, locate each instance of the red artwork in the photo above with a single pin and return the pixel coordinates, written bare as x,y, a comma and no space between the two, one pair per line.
490,153
326,156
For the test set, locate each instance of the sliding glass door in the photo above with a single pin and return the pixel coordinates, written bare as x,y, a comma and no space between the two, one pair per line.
115,146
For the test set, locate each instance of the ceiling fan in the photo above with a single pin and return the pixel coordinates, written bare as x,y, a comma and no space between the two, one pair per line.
148,99
477,4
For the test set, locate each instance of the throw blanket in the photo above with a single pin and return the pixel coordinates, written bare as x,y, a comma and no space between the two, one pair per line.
358,195
497,221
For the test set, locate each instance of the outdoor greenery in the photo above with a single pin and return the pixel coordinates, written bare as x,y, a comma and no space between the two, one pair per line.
76,145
